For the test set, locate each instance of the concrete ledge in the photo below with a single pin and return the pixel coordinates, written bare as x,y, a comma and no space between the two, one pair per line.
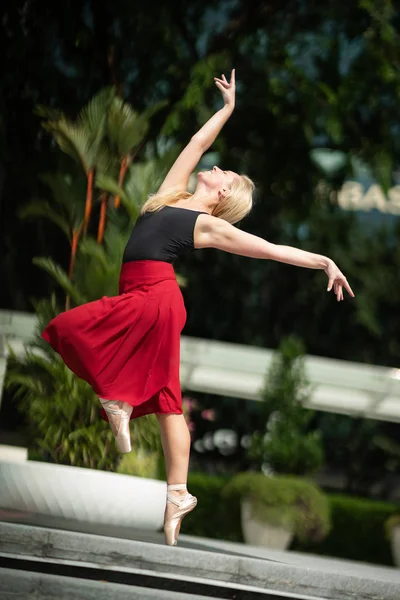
302,574
13,453
18,585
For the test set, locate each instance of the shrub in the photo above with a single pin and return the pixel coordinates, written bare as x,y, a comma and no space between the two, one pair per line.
357,531
285,443
290,502
140,464
63,412
211,518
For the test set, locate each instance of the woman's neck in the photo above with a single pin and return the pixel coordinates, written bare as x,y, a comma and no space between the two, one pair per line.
201,202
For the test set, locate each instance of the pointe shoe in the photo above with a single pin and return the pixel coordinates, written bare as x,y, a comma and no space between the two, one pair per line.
182,506
119,414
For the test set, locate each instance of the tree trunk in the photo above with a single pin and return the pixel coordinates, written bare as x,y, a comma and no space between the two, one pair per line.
74,247
103,215
122,173
89,200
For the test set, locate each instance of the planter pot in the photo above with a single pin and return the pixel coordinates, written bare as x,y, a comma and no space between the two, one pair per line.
395,542
82,494
259,533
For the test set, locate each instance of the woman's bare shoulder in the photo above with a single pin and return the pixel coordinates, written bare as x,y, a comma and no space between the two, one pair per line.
207,229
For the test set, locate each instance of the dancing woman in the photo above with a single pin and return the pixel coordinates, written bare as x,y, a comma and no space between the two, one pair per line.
127,347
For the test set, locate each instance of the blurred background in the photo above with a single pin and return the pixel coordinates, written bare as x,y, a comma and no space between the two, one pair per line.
96,101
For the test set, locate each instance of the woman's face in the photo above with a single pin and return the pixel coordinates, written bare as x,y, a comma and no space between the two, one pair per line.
217,180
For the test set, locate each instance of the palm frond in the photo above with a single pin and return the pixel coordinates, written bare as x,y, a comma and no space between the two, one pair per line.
92,116
92,119
108,184
96,279
74,141
89,247
45,309
106,161
46,112
61,277
115,239
68,189
125,127
42,208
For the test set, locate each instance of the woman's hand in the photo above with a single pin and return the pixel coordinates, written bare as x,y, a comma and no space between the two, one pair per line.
228,89
337,281
178,175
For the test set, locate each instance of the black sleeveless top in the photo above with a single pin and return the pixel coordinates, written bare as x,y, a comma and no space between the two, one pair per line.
162,235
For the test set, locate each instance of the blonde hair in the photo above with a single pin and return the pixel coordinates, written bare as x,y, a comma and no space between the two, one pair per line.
233,207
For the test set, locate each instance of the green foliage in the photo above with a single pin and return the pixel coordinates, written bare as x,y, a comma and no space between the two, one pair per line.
140,464
285,443
358,531
62,412
125,128
357,525
211,517
98,266
60,276
83,139
66,207
290,502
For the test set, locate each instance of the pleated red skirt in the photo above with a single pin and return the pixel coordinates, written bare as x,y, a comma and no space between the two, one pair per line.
127,347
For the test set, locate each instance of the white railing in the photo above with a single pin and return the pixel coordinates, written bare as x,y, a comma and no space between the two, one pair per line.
239,371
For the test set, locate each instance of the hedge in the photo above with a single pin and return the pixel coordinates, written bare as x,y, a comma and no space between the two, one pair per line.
358,525
358,531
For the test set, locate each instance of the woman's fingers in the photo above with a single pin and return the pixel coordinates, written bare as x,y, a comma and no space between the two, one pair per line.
223,80
339,289
348,288
337,284
224,83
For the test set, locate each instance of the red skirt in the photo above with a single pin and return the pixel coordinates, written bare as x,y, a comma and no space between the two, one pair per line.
127,347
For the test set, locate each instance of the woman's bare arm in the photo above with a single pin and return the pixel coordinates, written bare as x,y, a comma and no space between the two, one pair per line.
178,176
211,232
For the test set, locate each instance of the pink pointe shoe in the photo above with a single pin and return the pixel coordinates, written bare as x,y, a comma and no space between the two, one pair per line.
182,506
119,414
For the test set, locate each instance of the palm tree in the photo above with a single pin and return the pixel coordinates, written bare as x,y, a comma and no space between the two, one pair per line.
104,139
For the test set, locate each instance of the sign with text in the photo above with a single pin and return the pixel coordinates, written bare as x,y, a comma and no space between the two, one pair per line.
353,197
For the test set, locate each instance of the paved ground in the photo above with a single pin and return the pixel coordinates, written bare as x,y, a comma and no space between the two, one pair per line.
216,560
199,543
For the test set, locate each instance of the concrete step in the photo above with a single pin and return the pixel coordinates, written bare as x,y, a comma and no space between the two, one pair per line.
17,585
220,570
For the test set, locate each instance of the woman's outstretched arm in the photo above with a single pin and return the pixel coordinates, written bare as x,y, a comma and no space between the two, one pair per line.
178,176
211,232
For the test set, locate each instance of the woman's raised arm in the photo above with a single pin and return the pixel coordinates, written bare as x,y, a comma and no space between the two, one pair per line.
211,232
178,176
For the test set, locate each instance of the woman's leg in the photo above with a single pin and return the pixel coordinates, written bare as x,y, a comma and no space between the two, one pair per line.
175,438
